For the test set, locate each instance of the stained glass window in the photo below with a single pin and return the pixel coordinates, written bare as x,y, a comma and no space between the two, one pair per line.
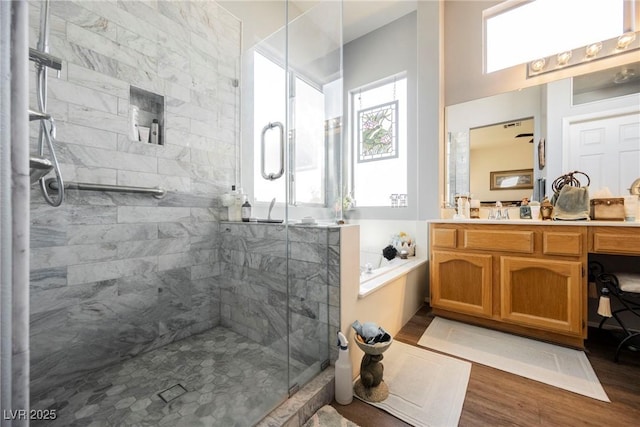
378,144
378,132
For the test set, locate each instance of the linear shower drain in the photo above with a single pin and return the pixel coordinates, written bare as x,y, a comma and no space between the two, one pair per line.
172,392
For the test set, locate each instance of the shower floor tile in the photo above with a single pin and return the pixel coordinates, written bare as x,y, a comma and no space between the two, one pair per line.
229,381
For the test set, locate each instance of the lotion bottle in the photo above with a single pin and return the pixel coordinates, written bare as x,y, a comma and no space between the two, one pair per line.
246,210
343,372
233,208
154,136
134,134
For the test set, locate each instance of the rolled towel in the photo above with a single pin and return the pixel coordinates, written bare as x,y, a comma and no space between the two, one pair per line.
629,282
370,332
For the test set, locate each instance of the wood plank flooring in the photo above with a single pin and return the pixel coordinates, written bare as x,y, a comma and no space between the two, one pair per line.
497,398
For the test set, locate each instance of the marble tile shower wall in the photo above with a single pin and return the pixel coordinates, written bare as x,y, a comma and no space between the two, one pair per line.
253,286
115,274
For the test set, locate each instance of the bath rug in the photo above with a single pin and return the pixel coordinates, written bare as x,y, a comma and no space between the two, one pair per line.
551,364
327,416
425,388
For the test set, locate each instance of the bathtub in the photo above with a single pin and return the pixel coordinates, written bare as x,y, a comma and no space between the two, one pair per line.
388,297
376,271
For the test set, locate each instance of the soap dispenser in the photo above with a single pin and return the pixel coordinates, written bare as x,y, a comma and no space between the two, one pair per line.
246,210
233,203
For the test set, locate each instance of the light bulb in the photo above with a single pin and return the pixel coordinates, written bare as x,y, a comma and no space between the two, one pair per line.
624,76
563,58
593,49
625,40
538,64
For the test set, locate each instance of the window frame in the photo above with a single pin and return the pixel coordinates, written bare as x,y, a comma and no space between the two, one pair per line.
510,5
384,212
250,174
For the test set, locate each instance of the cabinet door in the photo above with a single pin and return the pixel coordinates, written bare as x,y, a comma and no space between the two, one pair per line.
543,294
461,282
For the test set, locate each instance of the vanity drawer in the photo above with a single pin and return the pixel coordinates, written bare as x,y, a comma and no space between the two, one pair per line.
444,237
509,241
615,240
562,243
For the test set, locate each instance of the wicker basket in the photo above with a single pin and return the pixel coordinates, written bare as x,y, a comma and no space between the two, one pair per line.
611,209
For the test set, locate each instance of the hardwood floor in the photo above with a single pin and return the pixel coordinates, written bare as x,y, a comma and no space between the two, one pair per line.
497,398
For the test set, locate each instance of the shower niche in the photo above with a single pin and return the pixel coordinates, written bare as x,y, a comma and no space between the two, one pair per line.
146,116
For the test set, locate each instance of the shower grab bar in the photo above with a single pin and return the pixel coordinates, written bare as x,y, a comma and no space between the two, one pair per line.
272,176
157,192
44,59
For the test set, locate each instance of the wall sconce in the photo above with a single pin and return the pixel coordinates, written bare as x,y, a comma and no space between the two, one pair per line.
624,43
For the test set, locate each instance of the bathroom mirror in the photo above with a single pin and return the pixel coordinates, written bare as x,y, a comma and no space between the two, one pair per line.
489,138
552,106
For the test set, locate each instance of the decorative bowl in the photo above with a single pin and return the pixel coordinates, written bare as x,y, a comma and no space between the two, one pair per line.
373,349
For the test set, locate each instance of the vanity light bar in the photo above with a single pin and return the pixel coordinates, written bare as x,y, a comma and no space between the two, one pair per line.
626,42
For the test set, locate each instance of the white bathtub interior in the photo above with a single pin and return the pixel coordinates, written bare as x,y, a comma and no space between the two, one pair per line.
376,271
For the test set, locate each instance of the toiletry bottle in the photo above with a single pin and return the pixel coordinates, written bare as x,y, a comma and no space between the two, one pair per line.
225,199
134,135
467,207
154,136
246,210
231,209
239,200
343,372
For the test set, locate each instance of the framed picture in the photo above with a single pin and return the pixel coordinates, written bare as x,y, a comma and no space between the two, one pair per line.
511,180
541,154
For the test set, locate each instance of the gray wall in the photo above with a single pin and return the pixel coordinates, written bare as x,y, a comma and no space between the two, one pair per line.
112,274
413,43
382,53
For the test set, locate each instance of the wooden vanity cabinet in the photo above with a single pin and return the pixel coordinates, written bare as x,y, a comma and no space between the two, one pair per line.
541,293
614,240
528,280
465,282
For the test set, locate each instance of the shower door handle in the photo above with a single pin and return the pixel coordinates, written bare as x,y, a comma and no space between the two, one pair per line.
272,176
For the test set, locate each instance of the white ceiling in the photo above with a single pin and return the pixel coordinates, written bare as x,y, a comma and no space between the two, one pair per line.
363,16
314,31
501,135
261,18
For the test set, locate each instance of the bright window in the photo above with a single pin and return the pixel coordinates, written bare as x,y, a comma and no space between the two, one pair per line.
304,142
379,142
517,32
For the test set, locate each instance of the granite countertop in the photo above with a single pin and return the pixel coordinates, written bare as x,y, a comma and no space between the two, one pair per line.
537,222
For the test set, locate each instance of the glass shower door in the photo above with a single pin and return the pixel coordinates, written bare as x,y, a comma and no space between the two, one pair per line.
292,110
314,51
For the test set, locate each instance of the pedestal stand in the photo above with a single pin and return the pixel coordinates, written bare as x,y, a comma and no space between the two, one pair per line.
370,386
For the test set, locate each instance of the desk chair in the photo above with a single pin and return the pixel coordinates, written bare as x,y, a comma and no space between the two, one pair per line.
624,287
